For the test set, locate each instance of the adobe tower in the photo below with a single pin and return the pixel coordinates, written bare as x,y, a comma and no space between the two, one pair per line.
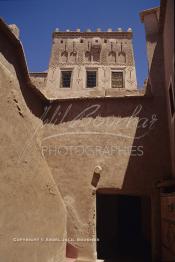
91,64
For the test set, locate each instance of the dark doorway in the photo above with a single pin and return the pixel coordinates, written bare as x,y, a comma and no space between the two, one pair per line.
123,228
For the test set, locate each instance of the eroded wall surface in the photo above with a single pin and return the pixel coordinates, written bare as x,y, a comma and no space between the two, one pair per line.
30,202
120,135
126,136
39,80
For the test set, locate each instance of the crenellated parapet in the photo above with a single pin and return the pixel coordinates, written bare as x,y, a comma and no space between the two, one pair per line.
93,47
107,55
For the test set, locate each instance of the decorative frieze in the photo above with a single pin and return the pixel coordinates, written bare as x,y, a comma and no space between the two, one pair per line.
98,61
93,50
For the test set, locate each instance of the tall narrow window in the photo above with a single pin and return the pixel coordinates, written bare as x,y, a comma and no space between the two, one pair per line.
172,101
66,79
91,79
117,80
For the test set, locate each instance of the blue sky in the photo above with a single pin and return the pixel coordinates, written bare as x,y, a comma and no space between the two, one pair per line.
38,19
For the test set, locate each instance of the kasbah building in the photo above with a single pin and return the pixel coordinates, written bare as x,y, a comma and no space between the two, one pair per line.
87,160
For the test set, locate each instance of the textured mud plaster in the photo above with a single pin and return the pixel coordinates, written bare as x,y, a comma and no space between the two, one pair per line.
81,203
62,136
71,50
30,203
75,146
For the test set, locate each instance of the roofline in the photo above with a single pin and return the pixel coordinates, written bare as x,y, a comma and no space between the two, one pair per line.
18,45
148,12
20,53
38,74
93,34
139,95
161,10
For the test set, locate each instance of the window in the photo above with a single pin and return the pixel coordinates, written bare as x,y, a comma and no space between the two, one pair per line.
91,79
172,102
117,80
66,79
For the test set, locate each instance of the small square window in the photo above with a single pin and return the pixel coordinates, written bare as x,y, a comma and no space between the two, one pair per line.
105,41
81,41
61,41
91,79
117,80
66,79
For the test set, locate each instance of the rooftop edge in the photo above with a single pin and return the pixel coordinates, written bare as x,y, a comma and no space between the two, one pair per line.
148,12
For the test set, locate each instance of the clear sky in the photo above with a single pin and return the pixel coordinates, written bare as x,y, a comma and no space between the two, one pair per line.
37,19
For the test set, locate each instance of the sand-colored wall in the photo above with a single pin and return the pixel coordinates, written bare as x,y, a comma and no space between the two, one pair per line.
101,135
76,137
82,134
39,80
30,202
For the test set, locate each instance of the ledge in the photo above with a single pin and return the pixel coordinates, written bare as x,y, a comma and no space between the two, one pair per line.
154,10
93,34
133,95
38,74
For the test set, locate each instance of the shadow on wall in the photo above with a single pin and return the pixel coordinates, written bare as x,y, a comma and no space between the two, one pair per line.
72,110
154,163
148,134
142,172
